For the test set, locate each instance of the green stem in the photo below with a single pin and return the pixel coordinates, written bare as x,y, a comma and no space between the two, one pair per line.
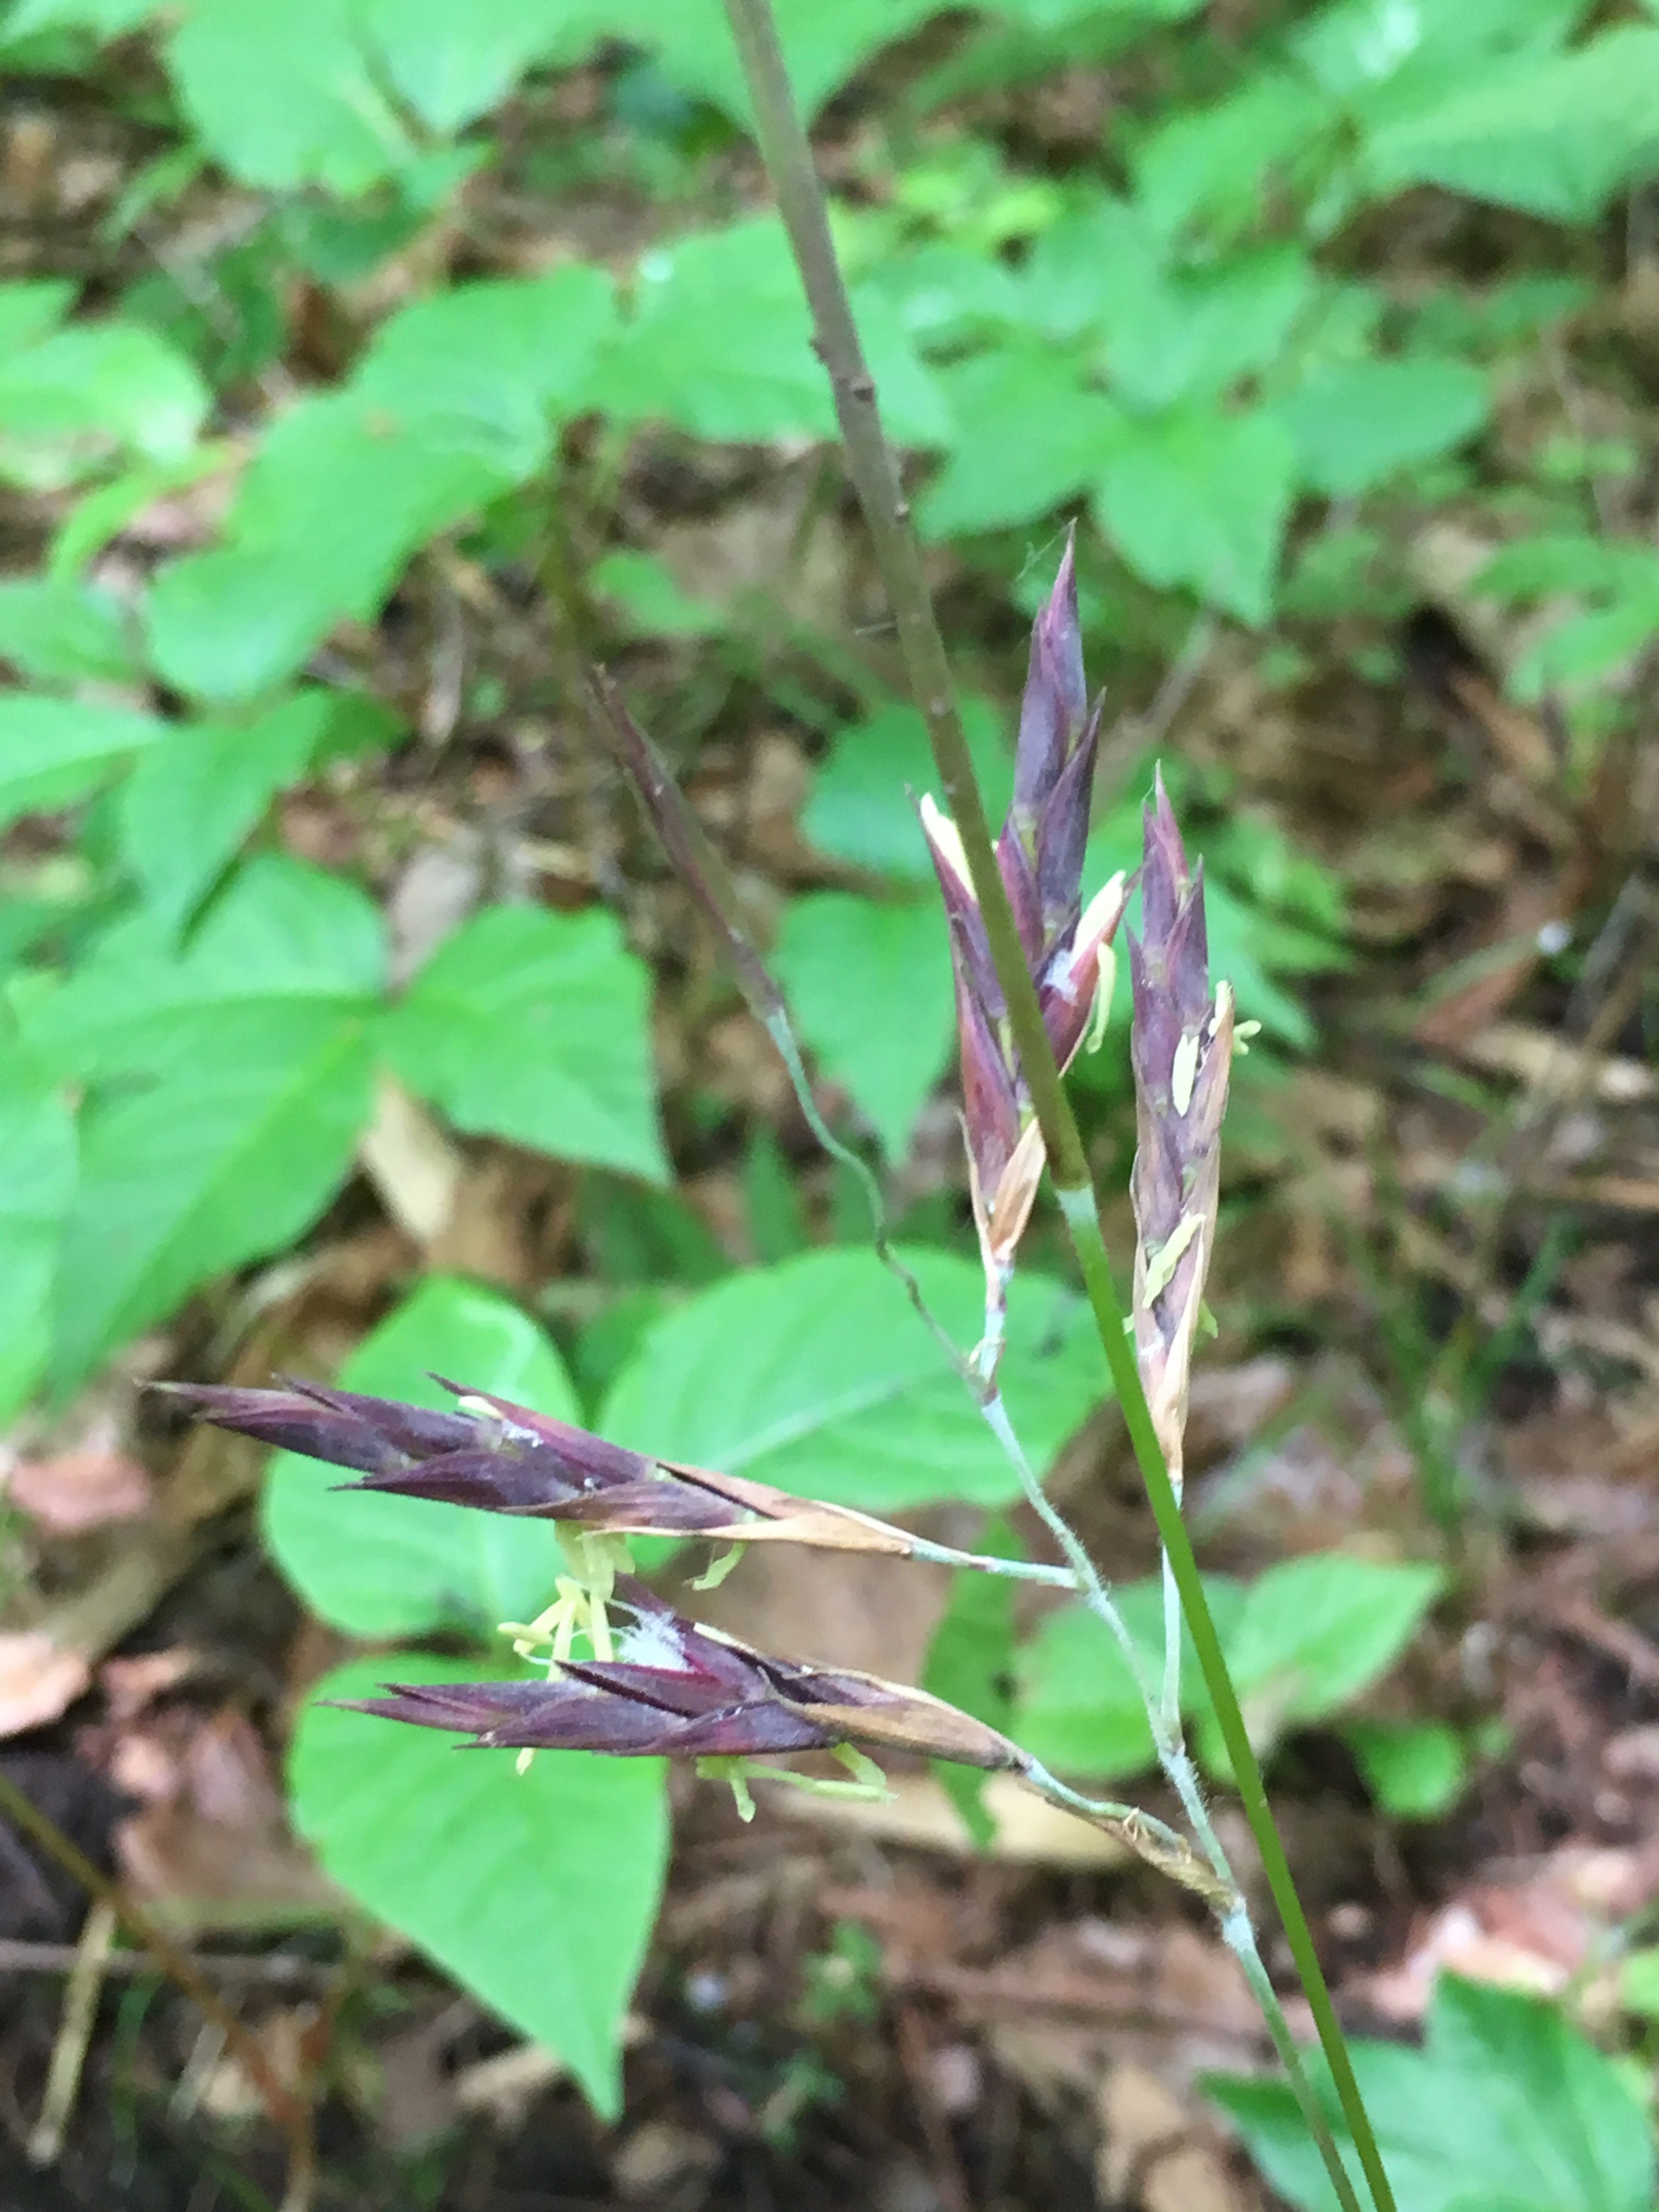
880,490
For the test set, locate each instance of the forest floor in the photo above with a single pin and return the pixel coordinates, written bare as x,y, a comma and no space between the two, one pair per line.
849,2005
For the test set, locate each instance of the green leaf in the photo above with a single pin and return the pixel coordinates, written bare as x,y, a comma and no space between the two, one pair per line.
1190,336
538,1892
862,807
110,18
451,65
721,344
1555,134
1029,435
656,606
54,751
340,493
869,983
816,1375
1201,500
1540,566
59,630
37,1187
281,936
1638,1982
193,798
1506,2109
1079,1710
1588,648
1316,1631
1354,423
385,1567
228,1151
287,96
1213,163
80,397
536,1026
970,1664
1415,1769
495,360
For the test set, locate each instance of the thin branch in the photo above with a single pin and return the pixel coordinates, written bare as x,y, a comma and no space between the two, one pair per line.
289,2112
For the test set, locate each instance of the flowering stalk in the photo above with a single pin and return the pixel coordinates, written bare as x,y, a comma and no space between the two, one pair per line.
875,476
1067,951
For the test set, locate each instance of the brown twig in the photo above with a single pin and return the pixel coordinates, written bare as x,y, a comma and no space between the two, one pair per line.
289,2112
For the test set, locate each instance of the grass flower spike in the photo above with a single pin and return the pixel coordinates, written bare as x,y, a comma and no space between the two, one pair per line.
504,1458
1067,950
1181,1043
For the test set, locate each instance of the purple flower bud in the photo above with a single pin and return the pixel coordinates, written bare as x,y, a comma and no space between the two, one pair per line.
503,1458
1040,857
679,1690
1052,712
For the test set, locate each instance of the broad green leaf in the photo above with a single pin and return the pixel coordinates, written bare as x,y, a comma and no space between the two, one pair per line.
54,751
1588,648
538,1892
110,18
37,1187
287,96
824,47
87,393
863,803
1028,434
1201,501
869,983
1505,2106
384,1567
1315,1632
59,630
453,63
1190,336
719,344
536,1026
1380,63
1212,165
1353,423
186,809
1555,135
32,308
654,602
228,1150
1639,1981
1415,1769
1080,1708
1540,566
817,1375
280,936
497,360
342,492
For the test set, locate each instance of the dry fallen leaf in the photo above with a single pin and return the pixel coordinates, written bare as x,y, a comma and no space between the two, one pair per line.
72,1491
38,1679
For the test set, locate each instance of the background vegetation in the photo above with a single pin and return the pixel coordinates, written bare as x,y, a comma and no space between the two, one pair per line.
370,366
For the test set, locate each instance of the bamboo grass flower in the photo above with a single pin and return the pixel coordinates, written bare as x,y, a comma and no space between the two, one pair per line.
500,1457
1067,948
1180,1046
674,1688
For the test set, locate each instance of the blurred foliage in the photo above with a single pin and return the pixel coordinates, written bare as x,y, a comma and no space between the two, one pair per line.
1182,332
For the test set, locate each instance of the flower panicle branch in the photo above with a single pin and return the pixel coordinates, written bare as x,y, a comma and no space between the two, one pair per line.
669,1687
1067,949
500,1457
